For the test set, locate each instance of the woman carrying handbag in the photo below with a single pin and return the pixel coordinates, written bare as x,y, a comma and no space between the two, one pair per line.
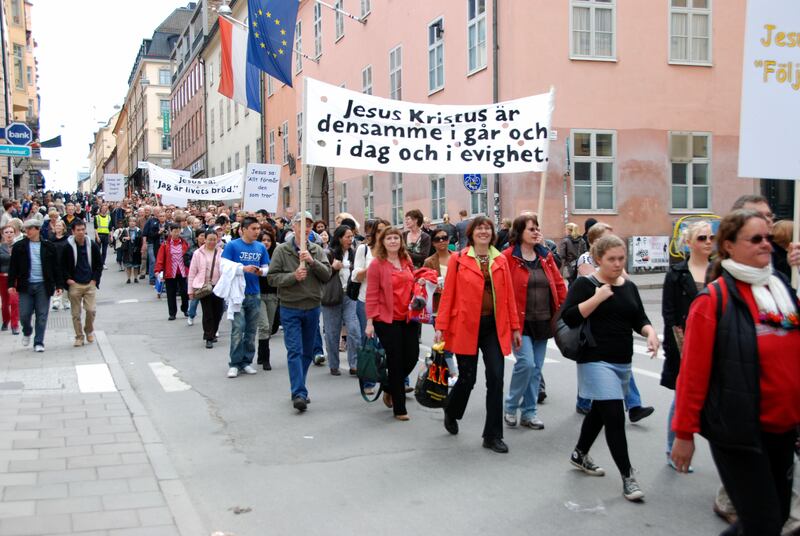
203,275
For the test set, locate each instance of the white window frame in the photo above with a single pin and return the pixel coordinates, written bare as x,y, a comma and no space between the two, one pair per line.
270,86
237,161
366,8
593,158
690,13
369,198
221,120
436,48
690,161
272,146
479,199
474,25
339,20
285,141
397,198
593,6
396,69
161,72
236,112
298,46
317,29
343,197
366,80
299,131
438,196
246,154
211,126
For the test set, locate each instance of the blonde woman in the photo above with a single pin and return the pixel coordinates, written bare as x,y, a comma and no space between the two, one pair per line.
570,249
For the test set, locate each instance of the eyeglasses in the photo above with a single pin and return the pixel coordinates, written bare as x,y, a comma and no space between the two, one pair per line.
440,238
757,239
706,238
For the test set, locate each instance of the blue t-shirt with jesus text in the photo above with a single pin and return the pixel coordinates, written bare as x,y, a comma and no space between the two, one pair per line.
254,254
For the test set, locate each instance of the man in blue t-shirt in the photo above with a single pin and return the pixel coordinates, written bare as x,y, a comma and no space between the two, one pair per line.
254,260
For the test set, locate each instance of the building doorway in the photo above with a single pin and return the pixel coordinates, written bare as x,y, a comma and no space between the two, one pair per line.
780,195
319,199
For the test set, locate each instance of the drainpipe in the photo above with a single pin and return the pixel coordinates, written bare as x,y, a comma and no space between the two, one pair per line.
495,92
5,94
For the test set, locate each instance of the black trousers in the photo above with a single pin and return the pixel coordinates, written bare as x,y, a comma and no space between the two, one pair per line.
759,483
103,245
400,339
608,414
494,362
174,286
213,307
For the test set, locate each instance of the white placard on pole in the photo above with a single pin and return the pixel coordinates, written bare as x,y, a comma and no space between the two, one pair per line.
262,183
114,186
770,109
172,183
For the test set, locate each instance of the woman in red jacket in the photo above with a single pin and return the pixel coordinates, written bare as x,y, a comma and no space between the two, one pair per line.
390,282
739,383
539,290
477,311
170,261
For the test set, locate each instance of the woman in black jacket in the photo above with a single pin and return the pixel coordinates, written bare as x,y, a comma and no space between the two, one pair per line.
681,284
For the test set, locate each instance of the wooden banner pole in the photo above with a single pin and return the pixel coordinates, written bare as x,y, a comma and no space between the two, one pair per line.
796,230
542,188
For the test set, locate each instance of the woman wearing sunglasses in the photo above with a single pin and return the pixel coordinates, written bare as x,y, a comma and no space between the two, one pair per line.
739,385
681,284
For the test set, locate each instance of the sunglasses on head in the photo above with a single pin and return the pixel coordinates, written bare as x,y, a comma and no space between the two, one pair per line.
706,238
757,239
440,238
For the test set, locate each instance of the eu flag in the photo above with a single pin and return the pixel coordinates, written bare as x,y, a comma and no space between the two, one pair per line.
271,37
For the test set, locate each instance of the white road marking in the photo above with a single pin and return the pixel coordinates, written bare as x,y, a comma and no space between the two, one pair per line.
95,378
134,300
167,377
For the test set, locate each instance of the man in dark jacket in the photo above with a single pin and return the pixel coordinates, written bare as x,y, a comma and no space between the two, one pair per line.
33,274
81,268
152,232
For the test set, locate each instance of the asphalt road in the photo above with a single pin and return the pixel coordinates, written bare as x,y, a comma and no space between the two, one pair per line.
347,467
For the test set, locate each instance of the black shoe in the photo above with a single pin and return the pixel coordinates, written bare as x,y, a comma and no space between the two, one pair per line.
128,282
450,424
581,411
136,281
5,327
353,372
638,413
171,317
299,403
209,344
496,444
335,372
542,397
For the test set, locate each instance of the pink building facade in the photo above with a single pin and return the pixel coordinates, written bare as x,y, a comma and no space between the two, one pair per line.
646,116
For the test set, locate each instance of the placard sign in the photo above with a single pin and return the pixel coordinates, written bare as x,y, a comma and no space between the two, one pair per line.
352,130
171,183
770,91
648,252
261,185
114,186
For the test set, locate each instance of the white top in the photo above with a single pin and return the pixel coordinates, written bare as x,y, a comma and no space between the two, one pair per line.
362,262
585,258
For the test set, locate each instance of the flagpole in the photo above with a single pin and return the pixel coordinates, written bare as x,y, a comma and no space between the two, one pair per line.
343,12
296,51
304,173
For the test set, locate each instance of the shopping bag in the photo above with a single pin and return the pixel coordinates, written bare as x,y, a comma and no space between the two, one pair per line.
372,367
432,383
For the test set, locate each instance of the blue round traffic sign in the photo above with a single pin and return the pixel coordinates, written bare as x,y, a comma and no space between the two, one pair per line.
19,134
473,182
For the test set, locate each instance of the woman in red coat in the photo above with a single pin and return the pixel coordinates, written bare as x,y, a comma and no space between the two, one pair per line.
170,261
477,311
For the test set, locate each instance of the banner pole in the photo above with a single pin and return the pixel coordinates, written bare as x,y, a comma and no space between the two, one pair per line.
542,186
304,174
796,231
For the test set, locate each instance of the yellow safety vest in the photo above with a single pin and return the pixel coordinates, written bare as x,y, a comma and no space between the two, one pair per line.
102,223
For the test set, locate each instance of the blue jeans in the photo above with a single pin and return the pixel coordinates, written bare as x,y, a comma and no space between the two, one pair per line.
670,433
243,332
192,308
333,317
35,300
632,400
300,329
151,262
525,380
318,349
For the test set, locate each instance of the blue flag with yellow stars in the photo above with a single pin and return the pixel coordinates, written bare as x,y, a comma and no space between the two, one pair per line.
270,43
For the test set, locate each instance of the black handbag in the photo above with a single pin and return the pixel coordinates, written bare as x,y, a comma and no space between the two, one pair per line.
432,383
372,367
353,287
572,342
332,293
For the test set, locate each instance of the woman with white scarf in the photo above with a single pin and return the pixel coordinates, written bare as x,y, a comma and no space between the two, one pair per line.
739,383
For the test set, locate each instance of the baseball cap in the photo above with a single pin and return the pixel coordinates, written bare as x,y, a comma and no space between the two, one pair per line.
299,216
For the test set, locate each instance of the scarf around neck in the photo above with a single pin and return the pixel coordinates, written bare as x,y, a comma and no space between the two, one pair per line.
773,299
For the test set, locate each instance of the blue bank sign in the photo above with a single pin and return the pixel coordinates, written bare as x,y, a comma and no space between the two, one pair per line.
19,134
473,182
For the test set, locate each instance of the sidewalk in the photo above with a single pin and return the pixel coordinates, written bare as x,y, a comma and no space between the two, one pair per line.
78,453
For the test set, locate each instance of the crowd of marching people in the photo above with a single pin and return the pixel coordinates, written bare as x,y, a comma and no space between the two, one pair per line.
731,327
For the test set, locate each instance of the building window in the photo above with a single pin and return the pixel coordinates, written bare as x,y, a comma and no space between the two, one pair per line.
221,120
396,73
438,200
343,197
230,167
18,71
690,31
593,29
397,198
228,109
272,146
298,46
369,197
479,200
317,30
366,8
246,154
594,157
270,87
210,74
236,161
339,20
213,171
164,77
222,168
690,161
16,11
285,138
164,108
236,113
299,134
366,80
29,75
211,125
476,35
436,55
287,196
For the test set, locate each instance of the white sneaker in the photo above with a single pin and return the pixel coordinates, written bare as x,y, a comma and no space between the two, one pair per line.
249,370
26,340
38,348
233,372
190,321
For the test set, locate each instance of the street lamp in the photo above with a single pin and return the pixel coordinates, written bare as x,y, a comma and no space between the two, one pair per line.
225,9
